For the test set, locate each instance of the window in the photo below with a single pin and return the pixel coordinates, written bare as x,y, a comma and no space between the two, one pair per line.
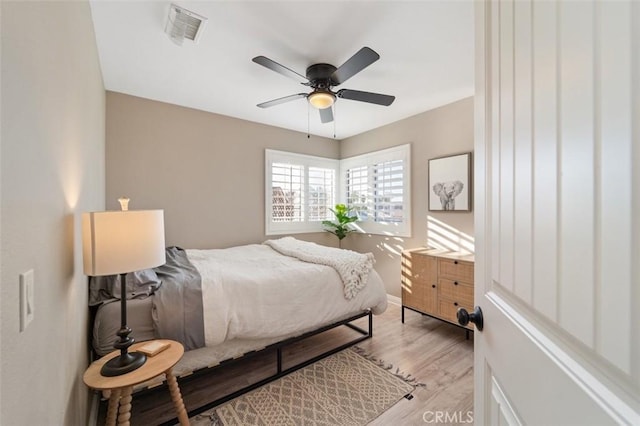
377,186
300,190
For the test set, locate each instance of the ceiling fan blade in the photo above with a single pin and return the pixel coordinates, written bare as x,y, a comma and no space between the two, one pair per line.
282,100
281,69
372,98
326,115
362,59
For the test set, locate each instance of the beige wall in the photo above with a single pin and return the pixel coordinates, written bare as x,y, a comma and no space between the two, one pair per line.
436,133
205,170
52,170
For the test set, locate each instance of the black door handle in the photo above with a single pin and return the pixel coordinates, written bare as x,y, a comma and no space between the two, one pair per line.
475,317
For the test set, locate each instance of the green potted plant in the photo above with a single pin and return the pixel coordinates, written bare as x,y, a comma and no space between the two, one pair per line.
340,228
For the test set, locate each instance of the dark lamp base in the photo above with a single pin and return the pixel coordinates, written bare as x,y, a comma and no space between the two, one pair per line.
124,363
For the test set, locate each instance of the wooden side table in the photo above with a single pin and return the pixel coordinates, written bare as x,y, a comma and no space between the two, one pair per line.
122,386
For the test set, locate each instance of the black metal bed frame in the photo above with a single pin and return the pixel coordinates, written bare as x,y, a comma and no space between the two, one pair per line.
280,372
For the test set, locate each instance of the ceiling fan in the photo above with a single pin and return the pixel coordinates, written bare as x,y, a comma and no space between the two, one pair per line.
322,78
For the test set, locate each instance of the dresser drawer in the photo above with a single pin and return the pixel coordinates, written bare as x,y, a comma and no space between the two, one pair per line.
456,270
448,310
456,291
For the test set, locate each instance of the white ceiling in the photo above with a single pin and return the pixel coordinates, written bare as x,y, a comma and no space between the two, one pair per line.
425,47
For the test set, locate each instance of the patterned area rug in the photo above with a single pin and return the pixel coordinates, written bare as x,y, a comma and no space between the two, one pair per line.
342,389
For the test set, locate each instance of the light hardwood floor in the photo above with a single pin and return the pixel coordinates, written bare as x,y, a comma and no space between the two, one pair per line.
438,355
435,353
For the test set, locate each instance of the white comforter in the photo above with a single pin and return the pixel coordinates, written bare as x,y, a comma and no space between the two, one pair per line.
254,292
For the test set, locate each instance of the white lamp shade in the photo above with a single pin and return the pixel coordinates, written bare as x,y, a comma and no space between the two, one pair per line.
118,242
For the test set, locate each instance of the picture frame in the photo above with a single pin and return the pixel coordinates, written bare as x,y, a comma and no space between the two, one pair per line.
449,184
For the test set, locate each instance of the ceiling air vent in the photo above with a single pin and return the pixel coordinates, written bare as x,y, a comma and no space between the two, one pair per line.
183,24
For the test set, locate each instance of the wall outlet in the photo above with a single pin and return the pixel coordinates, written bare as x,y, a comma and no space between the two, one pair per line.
26,299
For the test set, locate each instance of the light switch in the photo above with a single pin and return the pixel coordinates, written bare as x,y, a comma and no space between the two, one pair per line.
26,299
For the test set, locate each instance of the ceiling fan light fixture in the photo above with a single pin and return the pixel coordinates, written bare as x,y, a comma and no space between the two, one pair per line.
321,99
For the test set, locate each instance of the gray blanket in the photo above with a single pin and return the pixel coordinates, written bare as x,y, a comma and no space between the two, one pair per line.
177,302
177,305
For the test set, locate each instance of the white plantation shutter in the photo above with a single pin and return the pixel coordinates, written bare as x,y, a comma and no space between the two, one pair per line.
299,191
358,190
388,191
321,193
287,183
377,186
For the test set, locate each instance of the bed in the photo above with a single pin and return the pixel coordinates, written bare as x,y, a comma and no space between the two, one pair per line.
223,303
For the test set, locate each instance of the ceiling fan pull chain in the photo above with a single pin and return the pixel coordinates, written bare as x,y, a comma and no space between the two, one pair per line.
334,120
308,120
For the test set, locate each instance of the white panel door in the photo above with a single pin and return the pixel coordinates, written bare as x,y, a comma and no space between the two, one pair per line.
557,218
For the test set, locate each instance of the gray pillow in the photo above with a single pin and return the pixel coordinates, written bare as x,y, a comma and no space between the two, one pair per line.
140,284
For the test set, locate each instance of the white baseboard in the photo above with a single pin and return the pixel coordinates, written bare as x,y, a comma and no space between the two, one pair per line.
394,299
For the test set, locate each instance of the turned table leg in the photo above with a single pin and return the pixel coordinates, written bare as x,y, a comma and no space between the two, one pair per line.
112,410
176,397
124,413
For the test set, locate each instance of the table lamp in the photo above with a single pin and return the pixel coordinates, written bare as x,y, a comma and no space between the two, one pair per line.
115,243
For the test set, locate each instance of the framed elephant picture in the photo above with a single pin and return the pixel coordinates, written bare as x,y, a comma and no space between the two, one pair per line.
450,183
